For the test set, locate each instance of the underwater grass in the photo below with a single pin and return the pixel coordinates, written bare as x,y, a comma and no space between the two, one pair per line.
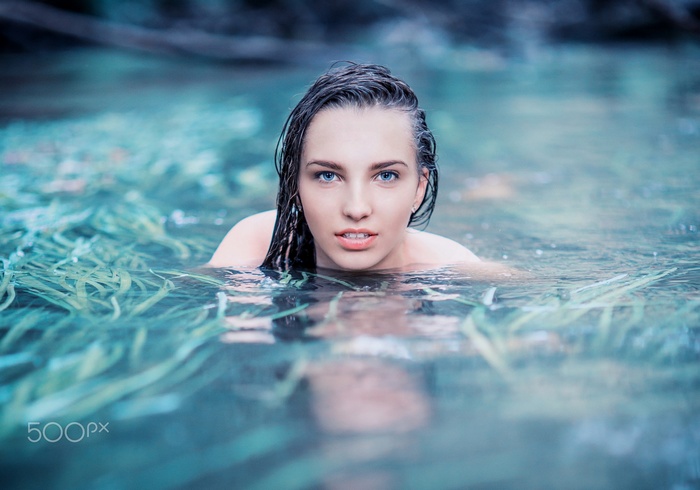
88,323
99,313
72,285
612,308
86,262
96,309
70,365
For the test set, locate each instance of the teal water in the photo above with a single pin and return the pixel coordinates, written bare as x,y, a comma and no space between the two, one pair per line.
578,166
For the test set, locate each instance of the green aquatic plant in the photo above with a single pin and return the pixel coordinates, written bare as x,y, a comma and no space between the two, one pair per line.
102,313
72,284
87,261
614,309
127,331
96,364
587,368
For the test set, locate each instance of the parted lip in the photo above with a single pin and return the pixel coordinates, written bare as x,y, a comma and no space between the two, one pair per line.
356,231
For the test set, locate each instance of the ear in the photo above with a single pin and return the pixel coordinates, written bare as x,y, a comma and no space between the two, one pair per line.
422,187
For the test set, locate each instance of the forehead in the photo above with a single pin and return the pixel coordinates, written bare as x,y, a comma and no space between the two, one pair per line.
351,134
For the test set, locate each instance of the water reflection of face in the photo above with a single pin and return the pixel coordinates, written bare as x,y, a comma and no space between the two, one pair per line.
380,315
363,393
363,387
361,313
379,308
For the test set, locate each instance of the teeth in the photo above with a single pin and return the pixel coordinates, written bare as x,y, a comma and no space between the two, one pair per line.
355,236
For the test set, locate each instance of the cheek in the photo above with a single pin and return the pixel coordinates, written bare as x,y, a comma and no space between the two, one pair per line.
307,196
396,210
315,206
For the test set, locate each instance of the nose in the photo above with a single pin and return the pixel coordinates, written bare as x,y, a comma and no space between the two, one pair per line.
357,204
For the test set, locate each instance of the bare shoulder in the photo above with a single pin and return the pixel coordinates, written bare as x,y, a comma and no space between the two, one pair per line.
431,249
428,248
247,242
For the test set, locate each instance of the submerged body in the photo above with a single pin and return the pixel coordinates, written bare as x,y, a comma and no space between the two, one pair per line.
357,168
359,183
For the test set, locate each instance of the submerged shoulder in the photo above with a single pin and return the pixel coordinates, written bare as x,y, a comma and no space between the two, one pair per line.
247,242
428,248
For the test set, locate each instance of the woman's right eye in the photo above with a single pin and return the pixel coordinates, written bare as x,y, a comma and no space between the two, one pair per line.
326,176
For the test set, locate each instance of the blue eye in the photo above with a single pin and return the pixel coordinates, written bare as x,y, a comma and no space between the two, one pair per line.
388,176
326,176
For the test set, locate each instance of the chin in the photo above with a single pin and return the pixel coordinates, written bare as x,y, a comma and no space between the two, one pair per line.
353,263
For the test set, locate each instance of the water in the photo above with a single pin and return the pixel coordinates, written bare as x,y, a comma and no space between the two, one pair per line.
578,167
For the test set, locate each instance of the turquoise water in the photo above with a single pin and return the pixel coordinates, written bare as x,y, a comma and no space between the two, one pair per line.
579,167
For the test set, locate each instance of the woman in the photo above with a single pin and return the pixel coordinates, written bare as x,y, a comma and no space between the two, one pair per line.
357,168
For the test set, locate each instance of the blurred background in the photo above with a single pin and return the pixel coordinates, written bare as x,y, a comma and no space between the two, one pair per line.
134,134
280,30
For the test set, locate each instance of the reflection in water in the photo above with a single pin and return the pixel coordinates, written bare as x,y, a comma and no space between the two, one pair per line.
387,365
357,391
371,326
366,396
363,393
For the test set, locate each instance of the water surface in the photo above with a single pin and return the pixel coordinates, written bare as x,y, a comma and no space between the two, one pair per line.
579,167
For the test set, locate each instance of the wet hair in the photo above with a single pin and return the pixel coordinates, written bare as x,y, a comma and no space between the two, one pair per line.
355,85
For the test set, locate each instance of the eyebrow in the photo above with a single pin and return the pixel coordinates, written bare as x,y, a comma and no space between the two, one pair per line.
375,166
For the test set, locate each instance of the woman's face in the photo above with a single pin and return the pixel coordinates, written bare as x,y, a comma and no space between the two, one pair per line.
358,182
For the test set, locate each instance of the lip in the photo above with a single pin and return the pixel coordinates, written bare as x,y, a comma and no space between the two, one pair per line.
356,244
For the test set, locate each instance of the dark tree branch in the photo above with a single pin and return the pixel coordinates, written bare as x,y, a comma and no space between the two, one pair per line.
674,15
161,42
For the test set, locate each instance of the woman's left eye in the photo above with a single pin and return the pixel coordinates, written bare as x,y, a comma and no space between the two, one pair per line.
388,176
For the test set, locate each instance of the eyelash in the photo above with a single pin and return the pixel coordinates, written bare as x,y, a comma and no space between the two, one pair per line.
319,176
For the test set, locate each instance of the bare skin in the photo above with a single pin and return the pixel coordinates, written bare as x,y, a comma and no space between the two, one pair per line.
359,182
247,242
